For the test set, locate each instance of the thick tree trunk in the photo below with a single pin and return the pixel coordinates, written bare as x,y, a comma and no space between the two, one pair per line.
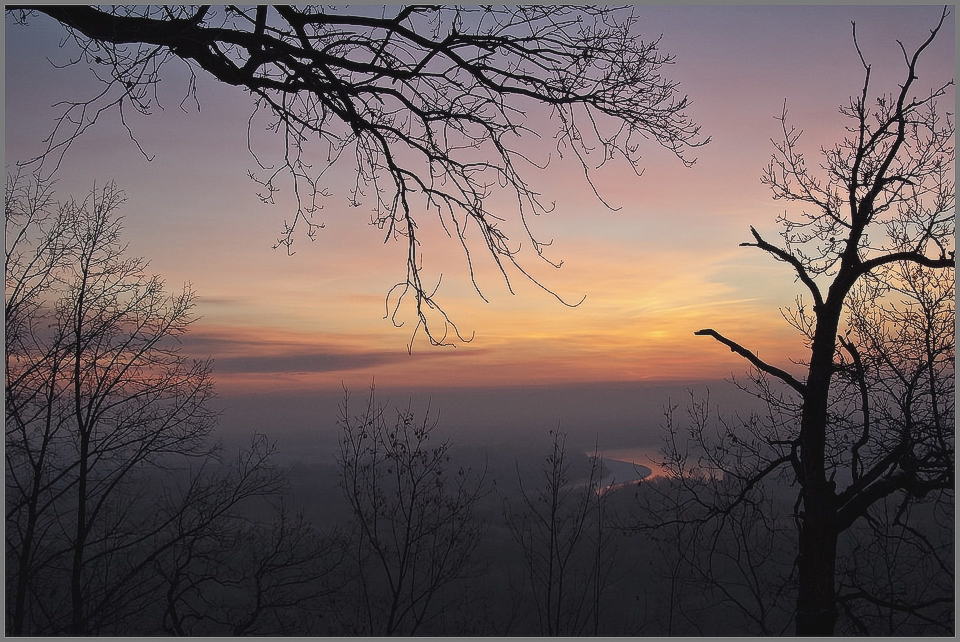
816,598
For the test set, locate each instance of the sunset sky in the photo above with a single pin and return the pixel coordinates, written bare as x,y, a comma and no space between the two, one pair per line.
663,265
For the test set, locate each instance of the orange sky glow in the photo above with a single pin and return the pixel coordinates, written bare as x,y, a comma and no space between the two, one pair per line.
662,265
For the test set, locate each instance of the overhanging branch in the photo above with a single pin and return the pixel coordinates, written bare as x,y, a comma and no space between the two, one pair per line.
431,101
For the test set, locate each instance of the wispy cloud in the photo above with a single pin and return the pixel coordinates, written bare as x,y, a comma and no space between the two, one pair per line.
303,362
259,351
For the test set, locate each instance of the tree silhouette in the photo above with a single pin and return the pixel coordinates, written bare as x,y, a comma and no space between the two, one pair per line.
414,525
110,473
250,577
719,552
567,555
429,103
873,419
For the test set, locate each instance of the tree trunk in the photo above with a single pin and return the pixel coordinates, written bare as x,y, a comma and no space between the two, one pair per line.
816,599
23,579
76,574
816,564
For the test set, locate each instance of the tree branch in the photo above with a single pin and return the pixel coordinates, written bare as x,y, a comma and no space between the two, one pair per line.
415,95
786,257
782,375
912,257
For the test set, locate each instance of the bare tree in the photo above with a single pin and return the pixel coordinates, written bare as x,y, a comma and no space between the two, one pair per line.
724,554
902,375
93,387
428,102
415,530
873,419
249,576
567,552
896,569
109,466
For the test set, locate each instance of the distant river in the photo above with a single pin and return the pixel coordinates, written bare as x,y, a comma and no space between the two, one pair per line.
618,473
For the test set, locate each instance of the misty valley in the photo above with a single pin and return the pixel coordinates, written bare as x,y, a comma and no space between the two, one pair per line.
402,532
268,459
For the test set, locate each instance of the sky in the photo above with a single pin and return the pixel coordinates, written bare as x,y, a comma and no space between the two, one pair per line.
288,333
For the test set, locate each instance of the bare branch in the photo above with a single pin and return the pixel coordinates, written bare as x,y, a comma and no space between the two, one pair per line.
786,257
782,375
429,101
